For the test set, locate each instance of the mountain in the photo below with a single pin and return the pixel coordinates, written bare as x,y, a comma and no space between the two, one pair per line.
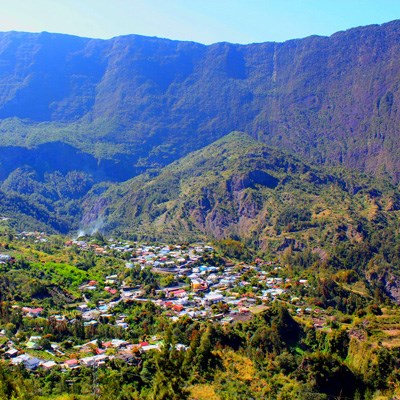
138,101
92,111
239,188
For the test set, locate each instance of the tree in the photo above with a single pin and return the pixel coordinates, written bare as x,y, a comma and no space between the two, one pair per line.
78,328
169,380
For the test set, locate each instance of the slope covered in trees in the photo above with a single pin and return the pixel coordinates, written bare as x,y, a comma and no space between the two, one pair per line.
239,188
140,101
76,113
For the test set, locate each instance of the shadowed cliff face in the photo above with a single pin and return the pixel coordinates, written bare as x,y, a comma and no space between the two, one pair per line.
333,100
56,156
42,187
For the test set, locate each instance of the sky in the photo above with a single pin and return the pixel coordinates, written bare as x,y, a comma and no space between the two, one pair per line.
204,21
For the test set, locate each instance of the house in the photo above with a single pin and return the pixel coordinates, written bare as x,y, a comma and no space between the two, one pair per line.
28,361
212,298
228,282
32,312
32,363
33,343
32,346
4,257
11,353
123,325
34,339
176,293
118,343
198,285
90,323
110,290
20,359
48,365
58,318
226,320
71,364
149,347
94,361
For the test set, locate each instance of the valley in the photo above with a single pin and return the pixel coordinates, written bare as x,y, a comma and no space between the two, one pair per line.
92,310
189,221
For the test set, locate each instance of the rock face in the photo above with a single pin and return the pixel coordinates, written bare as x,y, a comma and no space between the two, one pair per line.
142,101
389,282
393,289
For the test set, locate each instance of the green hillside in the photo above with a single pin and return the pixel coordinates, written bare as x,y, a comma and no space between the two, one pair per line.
134,102
78,114
242,189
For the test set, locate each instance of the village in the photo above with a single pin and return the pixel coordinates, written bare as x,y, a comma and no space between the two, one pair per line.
225,293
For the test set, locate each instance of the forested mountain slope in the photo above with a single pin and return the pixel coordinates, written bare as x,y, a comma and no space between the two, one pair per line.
78,112
240,188
140,101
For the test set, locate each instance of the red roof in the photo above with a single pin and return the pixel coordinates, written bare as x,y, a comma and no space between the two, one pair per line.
177,291
73,361
32,310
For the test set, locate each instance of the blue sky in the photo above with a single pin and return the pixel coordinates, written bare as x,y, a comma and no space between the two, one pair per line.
205,21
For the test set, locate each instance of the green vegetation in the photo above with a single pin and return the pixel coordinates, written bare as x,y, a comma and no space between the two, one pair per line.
65,129
296,293
344,341
240,189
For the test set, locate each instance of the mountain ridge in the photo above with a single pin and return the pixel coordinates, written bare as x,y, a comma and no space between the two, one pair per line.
394,21
145,94
132,104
